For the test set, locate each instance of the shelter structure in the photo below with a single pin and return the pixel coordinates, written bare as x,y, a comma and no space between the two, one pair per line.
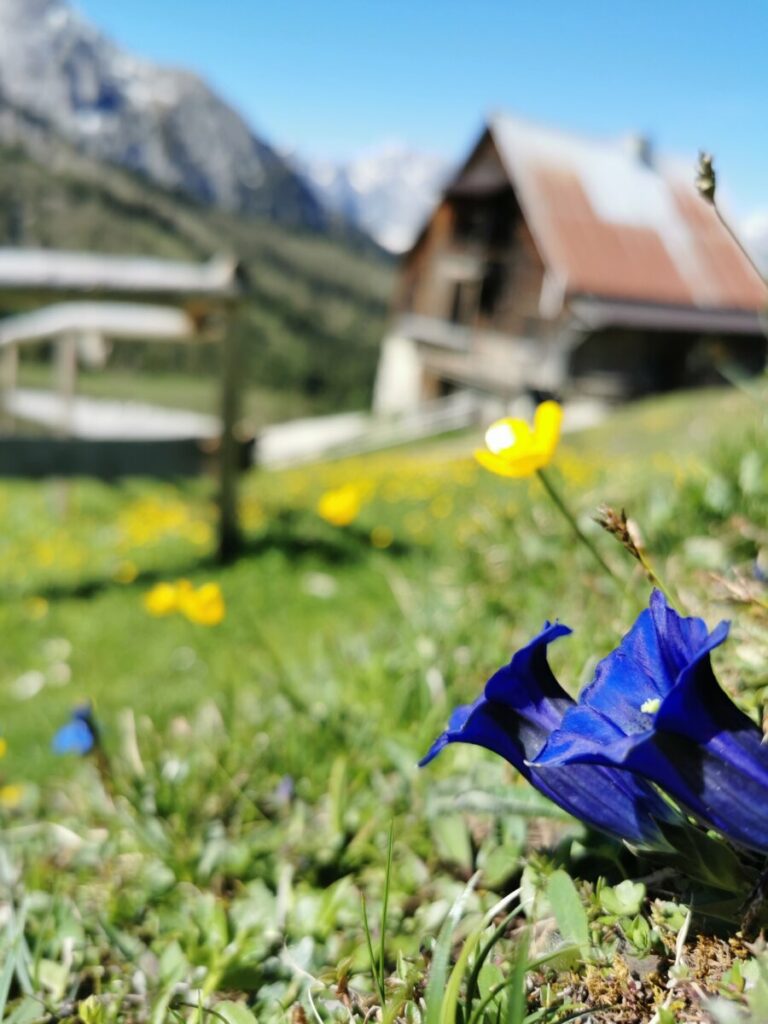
79,301
559,264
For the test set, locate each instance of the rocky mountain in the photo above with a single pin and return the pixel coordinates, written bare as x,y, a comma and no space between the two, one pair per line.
164,123
387,191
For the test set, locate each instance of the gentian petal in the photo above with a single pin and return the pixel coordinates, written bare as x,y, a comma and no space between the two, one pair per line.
521,705
645,665
75,737
527,684
691,739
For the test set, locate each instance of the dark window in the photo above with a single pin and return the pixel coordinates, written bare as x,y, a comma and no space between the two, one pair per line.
493,282
472,221
485,219
463,302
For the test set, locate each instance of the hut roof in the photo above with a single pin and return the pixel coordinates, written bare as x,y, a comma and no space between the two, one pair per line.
614,220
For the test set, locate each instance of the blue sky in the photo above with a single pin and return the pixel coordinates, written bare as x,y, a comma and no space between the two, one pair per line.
332,77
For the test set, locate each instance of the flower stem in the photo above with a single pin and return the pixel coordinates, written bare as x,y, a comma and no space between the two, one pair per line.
656,580
554,494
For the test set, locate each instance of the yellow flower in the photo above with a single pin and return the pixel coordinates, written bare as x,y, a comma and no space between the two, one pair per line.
3,746
516,450
199,533
341,506
10,795
382,537
37,608
126,572
162,599
204,606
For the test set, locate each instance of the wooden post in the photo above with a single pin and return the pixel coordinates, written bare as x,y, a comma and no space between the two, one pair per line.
65,360
9,372
229,530
66,378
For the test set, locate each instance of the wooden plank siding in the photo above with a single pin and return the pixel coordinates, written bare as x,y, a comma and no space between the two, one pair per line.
478,219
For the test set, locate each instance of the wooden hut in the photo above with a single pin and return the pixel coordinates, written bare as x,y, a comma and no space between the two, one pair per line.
558,264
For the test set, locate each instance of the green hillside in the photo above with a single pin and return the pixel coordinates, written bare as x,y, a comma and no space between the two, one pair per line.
316,305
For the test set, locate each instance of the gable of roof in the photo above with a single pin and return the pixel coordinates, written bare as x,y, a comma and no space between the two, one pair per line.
611,221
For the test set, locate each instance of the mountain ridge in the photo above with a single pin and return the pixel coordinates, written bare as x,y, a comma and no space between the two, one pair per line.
164,123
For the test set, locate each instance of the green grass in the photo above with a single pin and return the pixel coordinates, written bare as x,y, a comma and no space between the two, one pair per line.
275,749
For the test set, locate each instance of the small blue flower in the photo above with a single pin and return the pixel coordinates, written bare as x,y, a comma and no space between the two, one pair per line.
79,735
655,709
521,705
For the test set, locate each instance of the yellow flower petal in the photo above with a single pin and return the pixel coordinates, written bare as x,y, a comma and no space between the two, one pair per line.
547,421
162,599
504,465
506,435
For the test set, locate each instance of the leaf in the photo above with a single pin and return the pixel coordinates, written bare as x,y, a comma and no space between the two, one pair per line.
53,977
24,1012
624,899
706,858
91,1011
568,909
452,840
235,1013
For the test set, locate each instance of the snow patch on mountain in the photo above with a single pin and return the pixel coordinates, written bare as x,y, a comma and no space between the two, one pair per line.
387,191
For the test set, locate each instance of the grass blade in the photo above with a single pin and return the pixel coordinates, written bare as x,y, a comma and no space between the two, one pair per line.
369,943
438,974
384,909
516,1002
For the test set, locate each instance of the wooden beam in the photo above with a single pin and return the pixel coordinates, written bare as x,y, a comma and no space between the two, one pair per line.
231,375
132,320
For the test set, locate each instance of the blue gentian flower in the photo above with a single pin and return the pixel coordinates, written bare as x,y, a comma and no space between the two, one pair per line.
79,735
655,709
521,705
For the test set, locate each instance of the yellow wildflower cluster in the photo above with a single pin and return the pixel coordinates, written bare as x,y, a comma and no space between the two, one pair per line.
57,549
150,520
202,605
